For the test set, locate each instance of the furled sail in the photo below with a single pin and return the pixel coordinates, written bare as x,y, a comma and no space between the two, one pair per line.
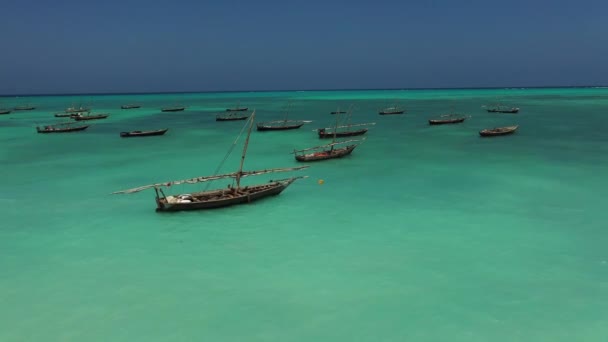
209,178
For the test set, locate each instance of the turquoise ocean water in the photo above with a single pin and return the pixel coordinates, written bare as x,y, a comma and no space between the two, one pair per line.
425,233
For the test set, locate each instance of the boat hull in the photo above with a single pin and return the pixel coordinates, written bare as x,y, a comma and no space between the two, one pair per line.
507,111
172,109
236,109
129,107
4,112
318,156
445,122
92,117
238,118
135,134
392,113
493,133
262,127
24,108
324,135
62,130
250,194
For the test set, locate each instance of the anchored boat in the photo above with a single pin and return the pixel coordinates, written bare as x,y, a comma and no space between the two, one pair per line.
212,199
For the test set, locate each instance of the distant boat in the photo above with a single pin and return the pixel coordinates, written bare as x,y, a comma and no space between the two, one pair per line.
66,115
172,109
338,112
448,119
4,111
130,106
502,109
61,128
80,109
89,117
230,117
498,131
237,108
325,152
218,198
391,111
346,130
281,125
25,107
143,133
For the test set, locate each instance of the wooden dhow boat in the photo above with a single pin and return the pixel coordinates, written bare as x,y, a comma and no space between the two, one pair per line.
238,108
231,117
448,119
212,199
130,106
25,107
173,109
498,131
67,115
143,133
345,130
61,128
281,125
74,110
502,109
392,110
324,152
89,117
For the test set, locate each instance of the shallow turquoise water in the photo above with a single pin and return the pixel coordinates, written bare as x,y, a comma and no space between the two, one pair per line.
423,234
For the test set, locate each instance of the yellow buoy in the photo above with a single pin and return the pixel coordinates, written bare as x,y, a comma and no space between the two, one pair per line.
321,182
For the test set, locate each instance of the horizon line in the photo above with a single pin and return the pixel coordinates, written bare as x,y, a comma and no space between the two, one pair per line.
294,90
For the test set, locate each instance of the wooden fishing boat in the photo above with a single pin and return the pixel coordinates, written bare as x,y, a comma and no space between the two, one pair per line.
448,119
74,110
281,125
143,133
338,112
345,130
172,109
89,117
502,109
392,110
230,117
67,115
61,128
212,199
5,111
498,131
325,152
324,134
130,106
25,107
238,108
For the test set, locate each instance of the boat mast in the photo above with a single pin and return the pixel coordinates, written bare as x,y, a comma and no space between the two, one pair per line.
238,175
287,111
335,130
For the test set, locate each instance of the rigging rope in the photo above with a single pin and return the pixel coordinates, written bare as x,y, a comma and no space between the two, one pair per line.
217,170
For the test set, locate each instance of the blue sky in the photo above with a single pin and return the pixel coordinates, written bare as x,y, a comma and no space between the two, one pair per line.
149,46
